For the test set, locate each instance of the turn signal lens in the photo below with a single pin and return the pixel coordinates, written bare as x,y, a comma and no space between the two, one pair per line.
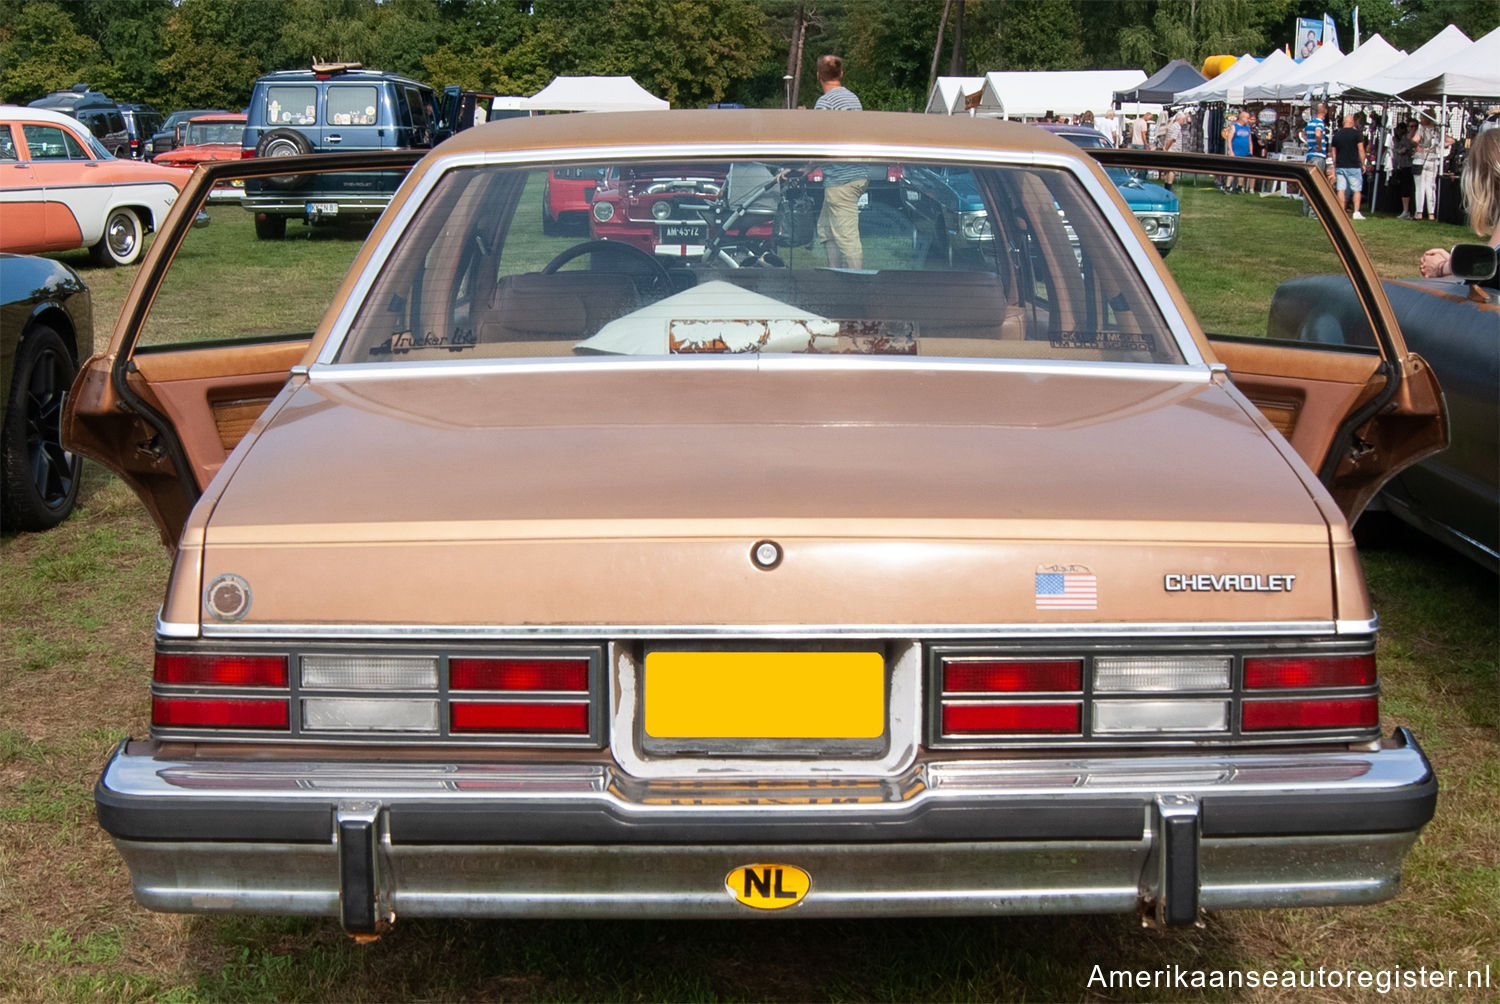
983,719
570,675
220,713
1293,672
515,717
221,670
1261,716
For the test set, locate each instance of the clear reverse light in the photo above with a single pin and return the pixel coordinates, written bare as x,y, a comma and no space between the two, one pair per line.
1123,674
361,672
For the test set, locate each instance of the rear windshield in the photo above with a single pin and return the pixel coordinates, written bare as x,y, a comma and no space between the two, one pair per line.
698,257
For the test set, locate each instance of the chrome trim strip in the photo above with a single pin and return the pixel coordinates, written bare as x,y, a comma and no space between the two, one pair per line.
765,362
581,632
1146,267
1204,774
903,730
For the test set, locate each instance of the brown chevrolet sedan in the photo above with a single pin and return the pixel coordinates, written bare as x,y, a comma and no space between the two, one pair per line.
552,577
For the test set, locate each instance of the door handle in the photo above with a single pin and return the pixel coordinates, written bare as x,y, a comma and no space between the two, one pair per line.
335,138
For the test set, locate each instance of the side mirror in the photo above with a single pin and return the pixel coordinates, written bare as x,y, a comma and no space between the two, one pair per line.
1474,262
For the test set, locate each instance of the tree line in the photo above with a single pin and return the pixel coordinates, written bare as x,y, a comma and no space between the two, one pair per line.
207,53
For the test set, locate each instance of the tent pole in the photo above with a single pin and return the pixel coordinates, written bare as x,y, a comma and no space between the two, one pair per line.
1442,147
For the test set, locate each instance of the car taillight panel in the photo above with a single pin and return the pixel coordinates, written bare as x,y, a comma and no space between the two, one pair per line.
981,697
350,694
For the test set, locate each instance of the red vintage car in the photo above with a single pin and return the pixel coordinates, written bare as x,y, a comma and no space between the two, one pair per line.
670,209
208,138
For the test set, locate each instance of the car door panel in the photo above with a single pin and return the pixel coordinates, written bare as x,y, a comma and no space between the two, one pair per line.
1358,409
165,417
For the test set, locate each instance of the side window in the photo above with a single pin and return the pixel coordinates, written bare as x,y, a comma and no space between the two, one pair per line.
1254,266
115,122
48,142
415,108
291,104
231,282
7,144
350,104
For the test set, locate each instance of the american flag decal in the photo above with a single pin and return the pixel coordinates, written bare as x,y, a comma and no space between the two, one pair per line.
1067,589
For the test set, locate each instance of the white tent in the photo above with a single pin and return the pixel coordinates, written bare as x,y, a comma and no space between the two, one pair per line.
594,94
948,94
1472,73
1292,81
1030,95
1207,90
1272,68
1374,56
1419,67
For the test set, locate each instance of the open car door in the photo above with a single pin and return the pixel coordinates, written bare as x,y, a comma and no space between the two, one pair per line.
219,317
1293,308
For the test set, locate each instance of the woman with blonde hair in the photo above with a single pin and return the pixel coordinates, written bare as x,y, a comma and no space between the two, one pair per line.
1481,188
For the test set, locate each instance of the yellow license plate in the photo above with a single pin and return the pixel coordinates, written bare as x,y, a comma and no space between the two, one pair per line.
765,695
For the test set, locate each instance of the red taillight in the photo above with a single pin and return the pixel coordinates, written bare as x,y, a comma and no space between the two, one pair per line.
218,712
515,717
221,670
519,674
982,719
815,175
994,676
247,152
1262,716
894,172
1293,672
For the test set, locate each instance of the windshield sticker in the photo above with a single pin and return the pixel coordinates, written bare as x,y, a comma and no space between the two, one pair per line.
403,342
1066,587
1126,341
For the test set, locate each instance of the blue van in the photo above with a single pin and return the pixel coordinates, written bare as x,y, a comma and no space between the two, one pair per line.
333,107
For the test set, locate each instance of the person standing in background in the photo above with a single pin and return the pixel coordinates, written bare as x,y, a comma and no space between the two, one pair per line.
1427,163
1171,143
1138,133
1238,143
843,184
1402,149
1348,164
1110,126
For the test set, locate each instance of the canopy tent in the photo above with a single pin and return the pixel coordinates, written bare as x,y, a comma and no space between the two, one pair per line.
1472,73
1159,88
1219,85
1421,66
594,94
948,94
1374,56
1030,95
1272,68
1293,81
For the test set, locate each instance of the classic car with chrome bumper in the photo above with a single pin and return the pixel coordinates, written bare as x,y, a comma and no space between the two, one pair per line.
754,586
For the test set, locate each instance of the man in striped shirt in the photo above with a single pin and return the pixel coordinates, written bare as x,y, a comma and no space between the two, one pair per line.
843,184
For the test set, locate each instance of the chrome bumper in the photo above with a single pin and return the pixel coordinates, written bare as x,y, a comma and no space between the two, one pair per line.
366,842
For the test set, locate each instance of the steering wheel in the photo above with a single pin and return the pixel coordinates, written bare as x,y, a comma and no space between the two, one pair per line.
628,252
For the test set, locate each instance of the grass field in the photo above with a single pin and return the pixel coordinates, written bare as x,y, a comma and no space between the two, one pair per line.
76,615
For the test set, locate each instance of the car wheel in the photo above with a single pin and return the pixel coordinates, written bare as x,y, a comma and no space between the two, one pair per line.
270,228
284,143
38,478
122,240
